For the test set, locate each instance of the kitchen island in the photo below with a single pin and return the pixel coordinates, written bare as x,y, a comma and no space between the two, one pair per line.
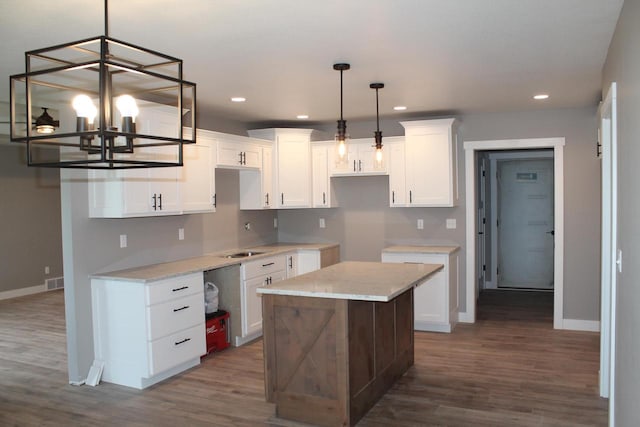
336,339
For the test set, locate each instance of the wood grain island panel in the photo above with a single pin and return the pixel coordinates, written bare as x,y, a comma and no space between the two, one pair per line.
329,359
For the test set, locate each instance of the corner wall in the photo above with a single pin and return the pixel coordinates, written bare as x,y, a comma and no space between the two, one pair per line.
29,222
623,66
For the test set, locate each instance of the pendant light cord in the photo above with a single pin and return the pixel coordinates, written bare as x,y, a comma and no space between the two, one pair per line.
377,113
341,118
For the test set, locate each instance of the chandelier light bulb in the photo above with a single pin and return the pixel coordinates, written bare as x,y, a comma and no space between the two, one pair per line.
127,106
84,108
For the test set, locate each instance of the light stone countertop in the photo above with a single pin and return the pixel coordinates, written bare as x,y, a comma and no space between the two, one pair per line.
165,270
366,281
422,249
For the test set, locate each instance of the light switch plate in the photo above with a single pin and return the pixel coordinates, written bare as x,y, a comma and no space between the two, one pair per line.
421,224
451,223
180,233
322,223
123,240
275,222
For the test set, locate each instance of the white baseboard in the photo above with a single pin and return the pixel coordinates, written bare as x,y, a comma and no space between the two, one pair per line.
464,317
14,293
581,325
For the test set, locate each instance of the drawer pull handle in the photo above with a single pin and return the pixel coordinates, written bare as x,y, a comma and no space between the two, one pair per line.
180,309
183,341
268,264
179,289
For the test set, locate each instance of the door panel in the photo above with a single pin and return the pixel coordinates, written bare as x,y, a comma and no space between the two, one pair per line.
525,232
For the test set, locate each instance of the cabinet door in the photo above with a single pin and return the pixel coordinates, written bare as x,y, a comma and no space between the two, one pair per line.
367,159
430,166
320,176
294,171
229,154
252,307
397,181
197,177
308,261
164,184
252,156
292,265
267,178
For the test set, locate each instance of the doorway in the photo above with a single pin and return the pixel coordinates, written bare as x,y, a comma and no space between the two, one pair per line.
520,230
473,150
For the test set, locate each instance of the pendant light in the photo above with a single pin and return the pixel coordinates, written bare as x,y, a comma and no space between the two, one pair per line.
119,105
377,133
341,135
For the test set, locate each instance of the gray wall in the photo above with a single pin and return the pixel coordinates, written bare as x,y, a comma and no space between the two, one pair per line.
29,220
364,224
623,67
92,245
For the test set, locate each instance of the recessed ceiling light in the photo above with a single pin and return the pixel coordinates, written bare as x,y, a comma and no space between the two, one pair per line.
399,108
541,96
302,116
238,99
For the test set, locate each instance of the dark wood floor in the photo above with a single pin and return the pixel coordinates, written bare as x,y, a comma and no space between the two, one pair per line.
509,369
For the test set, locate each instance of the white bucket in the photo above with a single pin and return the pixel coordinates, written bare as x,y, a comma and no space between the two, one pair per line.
210,298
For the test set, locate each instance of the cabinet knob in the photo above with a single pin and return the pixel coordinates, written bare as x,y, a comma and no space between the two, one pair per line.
324,198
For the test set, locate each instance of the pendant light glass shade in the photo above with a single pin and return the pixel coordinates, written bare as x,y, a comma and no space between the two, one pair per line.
119,106
378,160
341,137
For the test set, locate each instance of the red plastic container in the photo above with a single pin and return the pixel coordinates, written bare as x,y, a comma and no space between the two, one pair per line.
217,331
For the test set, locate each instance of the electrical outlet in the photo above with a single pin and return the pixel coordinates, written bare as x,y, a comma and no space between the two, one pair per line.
275,222
46,270
123,240
180,233
322,223
451,223
420,224
247,226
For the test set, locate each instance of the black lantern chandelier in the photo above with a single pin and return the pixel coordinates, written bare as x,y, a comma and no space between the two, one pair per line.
377,134
341,135
119,106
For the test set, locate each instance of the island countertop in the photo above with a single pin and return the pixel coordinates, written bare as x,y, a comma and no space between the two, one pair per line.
351,280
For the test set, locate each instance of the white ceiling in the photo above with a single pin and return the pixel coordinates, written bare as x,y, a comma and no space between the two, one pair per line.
434,56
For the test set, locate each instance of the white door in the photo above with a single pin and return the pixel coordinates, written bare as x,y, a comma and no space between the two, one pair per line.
525,224
481,227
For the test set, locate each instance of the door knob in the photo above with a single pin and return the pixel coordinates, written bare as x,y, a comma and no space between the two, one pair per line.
552,232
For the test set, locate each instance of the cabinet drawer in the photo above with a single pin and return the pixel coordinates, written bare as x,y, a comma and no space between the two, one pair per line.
165,353
175,315
264,266
175,287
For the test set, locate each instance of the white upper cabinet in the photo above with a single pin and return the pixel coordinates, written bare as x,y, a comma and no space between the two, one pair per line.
158,191
197,177
292,165
360,159
122,193
237,153
431,163
321,196
397,173
256,186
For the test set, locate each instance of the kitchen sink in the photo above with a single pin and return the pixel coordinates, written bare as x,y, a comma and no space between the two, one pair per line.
243,254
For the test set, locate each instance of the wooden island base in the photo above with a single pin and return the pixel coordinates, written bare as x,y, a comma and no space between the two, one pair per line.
328,361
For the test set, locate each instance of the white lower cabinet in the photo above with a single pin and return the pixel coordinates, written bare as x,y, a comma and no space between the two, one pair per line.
255,274
147,332
436,300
